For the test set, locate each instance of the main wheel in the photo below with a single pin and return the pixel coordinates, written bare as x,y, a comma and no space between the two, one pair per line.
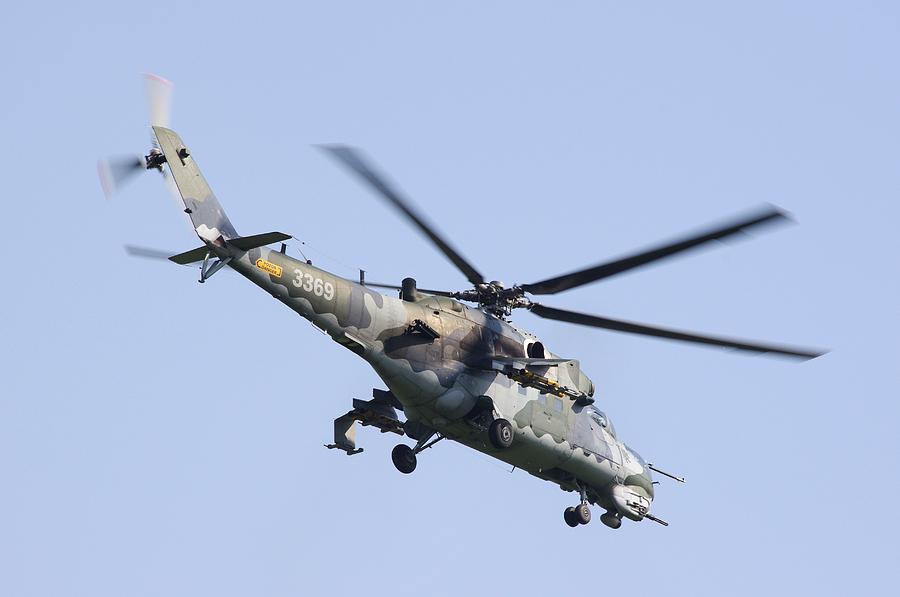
501,434
583,513
569,516
404,458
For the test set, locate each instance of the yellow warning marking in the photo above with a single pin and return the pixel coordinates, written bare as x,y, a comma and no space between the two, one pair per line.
269,267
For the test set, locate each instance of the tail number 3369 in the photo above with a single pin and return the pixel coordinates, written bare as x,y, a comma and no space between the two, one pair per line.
314,285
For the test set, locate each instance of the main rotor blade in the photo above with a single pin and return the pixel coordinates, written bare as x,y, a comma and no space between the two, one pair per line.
659,332
423,290
353,160
769,215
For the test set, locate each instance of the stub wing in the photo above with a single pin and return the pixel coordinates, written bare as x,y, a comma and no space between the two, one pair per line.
560,377
241,243
378,412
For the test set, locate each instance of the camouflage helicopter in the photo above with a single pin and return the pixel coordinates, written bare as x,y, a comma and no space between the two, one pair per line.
452,361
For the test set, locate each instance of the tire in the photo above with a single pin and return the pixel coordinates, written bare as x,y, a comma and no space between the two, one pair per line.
404,458
569,516
583,513
501,434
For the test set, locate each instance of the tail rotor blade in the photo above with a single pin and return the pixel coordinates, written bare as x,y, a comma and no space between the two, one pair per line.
147,252
160,255
159,99
116,171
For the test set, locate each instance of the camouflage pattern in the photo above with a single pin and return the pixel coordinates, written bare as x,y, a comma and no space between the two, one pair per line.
440,381
200,203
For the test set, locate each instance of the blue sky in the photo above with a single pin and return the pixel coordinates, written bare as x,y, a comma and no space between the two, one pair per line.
162,437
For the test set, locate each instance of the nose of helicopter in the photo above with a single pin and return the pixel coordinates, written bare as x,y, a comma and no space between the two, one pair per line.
631,501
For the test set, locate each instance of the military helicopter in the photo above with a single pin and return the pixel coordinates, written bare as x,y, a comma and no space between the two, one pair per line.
452,362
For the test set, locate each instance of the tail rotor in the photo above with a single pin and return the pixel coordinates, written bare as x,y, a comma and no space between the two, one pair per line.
115,172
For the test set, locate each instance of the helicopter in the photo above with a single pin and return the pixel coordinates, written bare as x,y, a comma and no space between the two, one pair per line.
453,363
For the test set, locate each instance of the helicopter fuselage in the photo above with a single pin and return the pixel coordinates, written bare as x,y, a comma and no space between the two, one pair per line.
457,372
439,358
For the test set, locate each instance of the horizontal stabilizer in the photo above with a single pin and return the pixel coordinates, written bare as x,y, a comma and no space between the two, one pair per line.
192,256
245,243
241,243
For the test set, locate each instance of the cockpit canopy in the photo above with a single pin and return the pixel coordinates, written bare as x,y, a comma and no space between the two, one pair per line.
601,419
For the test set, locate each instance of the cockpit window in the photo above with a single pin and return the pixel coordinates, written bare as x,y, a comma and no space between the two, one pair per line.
638,456
601,419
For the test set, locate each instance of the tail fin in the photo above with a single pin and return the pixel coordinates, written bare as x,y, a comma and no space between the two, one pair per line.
207,215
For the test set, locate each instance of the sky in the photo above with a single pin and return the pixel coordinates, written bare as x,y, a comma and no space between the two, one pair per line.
158,436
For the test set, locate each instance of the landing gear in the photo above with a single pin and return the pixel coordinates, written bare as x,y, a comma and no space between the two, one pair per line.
580,514
501,434
404,458
583,513
576,515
